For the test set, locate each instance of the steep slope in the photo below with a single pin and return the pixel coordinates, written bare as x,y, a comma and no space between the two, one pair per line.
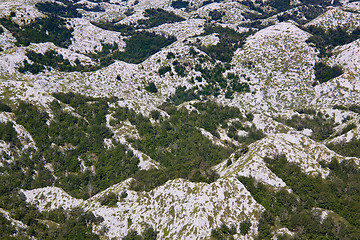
277,62
296,147
178,209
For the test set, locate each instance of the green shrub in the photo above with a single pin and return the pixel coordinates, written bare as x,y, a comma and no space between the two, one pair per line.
280,5
245,227
216,15
68,10
324,73
109,199
322,127
141,45
155,114
122,28
48,29
33,68
326,40
52,59
223,232
164,69
8,133
179,69
158,16
34,121
148,234
151,88
182,95
230,40
4,107
179,4
348,128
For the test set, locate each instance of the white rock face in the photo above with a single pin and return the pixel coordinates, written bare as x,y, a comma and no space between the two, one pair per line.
51,198
87,38
273,61
337,17
25,10
296,147
178,210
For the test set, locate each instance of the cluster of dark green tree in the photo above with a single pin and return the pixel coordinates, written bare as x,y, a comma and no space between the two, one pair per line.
324,73
54,224
66,9
280,5
124,29
6,228
349,149
322,126
322,2
110,199
183,95
283,5
148,234
67,138
33,68
4,107
179,4
230,40
156,17
53,28
177,143
226,233
339,192
26,172
206,2
139,46
326,40
73,143
215,83
310,12
179,68
50,58
8,133
48,29
353,107
253,134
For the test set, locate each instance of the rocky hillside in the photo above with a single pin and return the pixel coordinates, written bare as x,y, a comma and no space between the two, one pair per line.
179,119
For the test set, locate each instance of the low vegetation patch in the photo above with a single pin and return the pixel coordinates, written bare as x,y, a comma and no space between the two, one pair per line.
48,29
325,41
295,211
324,73
348,149
65,10
158,16
142,45
179,4
148,234
230,40
73,144
321,126
50,58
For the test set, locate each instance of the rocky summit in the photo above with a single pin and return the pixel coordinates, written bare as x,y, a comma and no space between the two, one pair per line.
179,119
